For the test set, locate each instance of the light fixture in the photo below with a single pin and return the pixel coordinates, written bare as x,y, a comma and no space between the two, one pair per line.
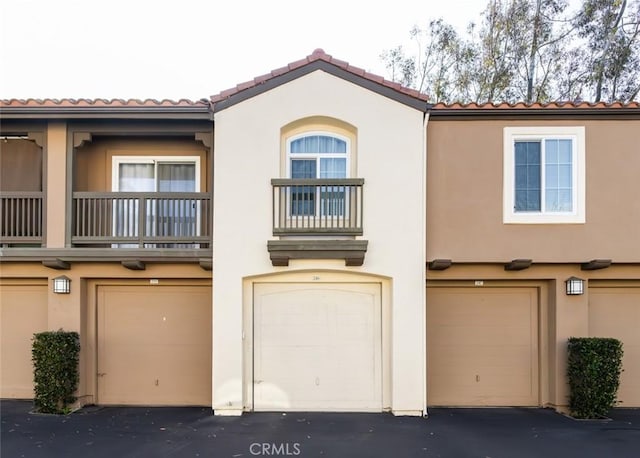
62,285
575,286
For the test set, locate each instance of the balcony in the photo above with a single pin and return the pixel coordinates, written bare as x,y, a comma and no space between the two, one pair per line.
21,218
141,219
327,212
330,206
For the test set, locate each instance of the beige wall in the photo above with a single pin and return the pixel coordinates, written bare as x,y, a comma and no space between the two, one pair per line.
76,311
20,165
390,144
464,194
561,316
94,159
56,183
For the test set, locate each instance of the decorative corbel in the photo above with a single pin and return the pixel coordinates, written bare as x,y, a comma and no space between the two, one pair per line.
37,138
205,137
80,138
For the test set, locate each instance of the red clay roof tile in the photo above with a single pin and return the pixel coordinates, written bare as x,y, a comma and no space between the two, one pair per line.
318,54
535,105
100,103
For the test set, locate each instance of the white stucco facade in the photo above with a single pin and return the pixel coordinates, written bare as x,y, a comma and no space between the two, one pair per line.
389,154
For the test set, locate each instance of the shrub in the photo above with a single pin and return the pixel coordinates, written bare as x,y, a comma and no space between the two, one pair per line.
594,369
55,370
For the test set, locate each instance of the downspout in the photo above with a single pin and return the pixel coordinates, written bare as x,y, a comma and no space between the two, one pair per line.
425,414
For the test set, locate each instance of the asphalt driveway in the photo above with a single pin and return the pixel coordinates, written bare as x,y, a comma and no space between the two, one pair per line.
119,432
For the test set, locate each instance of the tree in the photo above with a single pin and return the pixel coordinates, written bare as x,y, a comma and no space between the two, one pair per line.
528,50
432,66
611,29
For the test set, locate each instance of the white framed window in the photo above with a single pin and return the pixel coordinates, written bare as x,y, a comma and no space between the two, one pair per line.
155,174
544,175
164,216
318,155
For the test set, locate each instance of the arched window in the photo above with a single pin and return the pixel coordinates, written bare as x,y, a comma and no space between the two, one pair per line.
318,155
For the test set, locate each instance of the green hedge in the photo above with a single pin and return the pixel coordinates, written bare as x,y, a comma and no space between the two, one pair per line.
55,357
594,369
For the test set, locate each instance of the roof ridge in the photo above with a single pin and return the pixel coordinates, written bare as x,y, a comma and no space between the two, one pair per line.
318,54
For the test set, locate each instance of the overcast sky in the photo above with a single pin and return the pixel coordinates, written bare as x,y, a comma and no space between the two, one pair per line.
194,48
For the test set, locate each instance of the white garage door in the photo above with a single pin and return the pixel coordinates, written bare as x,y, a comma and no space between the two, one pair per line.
154,345
23,312
482,346
615,312
317,347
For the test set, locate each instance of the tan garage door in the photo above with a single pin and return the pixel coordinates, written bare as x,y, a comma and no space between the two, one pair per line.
615,312
23,312
482,346
154,345
317,347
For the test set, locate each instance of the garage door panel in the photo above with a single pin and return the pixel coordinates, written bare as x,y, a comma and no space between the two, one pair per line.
23,312
615,312
482,346
317,347
483,335
154,345
486,355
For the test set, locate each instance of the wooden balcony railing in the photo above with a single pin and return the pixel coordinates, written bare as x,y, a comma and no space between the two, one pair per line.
21,217
142,219
328,206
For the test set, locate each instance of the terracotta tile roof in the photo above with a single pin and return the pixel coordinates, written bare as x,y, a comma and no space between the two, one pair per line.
101,103
317,55
529,106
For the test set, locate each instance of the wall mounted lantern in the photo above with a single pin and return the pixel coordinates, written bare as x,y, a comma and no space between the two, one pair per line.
62,285
575,286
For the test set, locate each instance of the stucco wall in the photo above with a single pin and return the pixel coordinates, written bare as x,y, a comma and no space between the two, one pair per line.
465,195
93,161
76,311
390,145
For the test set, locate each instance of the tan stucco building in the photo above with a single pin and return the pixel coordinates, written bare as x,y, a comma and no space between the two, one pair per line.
319,239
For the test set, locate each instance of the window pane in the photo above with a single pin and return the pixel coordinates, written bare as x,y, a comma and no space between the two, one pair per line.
318,144
303,198
564,151
558,176
332,145
551,151
303,168
136,178
551,200
527,176
565,203
333,168
552,177
176,177
564,176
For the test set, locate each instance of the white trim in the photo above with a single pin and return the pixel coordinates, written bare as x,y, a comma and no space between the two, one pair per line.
423,274
574,133
314,278
117,160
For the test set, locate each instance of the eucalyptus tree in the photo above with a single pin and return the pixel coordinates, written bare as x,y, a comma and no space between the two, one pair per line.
611,31
528,50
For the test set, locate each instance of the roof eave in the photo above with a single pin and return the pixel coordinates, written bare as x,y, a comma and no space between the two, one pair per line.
106,112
